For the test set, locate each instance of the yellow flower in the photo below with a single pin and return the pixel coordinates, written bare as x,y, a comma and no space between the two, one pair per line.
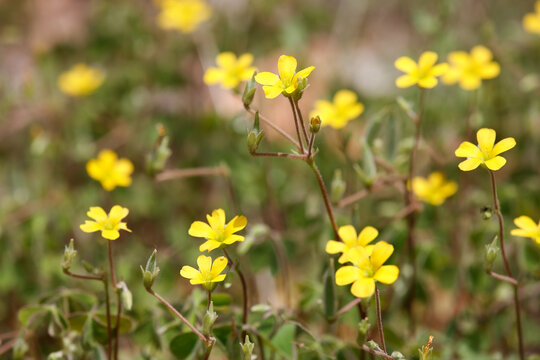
80,80
109,170
434,190
470,69
527,228
230,71
486,153
340,111
531,21
347,233
182,15
287,81
217,233
424,73
109,225
208,274
367,269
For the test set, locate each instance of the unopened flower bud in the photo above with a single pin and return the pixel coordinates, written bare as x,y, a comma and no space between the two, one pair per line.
151,271
487,213
315,124
337,187
491,253
209,319
396,355
247,348
249,91
255,135
69,255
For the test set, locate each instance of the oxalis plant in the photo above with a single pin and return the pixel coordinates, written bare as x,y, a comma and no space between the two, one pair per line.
94,316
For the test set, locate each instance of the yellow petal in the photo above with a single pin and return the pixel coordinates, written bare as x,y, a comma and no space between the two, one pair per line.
367,235
97,213
117,213
226,59
531,23
245,60
524,233
481,54
347,234
405,64
304,73
200,229
387,274
219,264
267,78
217,219
486,139
467,149
334,247
428,82
188,272
503,145
287,68
496,163
213,76
209,245
110,234
491,70
238,223
381,252
363,288
90,226
405,81
470,82
459,58
232,239
358,255
345,97
123,226
439,69
218,278
469,164
271,92
204,263
525,222
427,60
346,275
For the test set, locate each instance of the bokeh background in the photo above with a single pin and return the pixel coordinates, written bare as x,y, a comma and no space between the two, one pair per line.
154,76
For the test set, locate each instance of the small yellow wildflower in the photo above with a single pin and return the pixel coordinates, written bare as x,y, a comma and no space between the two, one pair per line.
80,80
347,233
340,111
109,170
287,81
486,153
216,232
434,190
230,71
208,274
470,69
109,225
531,21
182,15
424,73
527,228
367,269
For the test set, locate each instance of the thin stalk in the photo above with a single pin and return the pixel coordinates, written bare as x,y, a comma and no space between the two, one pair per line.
244,291
301,119
376,352
297,126
119,303
279,154
183,173
209,300
410,200
310,145
379,319
178,315
508,279
326,199
209,347
275,127
102,278
507,266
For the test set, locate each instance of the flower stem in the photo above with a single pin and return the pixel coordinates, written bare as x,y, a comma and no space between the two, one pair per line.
324,193
379,319
178,315
517,306
118,300
296,126
301,120
244,291
183,173
102,278
275,127
279,154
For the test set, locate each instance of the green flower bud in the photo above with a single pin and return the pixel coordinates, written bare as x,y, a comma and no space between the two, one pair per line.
337,187
209,319
69,255
151,271
247,348
315,124
249,91
491,253
397,355
487,212
255,135
125,295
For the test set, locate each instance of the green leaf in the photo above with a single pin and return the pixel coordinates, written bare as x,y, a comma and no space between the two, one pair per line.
30,313
87,337
182,345
221,300
284,338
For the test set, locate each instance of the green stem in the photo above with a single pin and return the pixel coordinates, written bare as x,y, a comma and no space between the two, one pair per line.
301,120
326,199
517,306
297,126
379,319
244,292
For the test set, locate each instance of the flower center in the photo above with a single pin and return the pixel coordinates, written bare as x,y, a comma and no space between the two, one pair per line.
109,224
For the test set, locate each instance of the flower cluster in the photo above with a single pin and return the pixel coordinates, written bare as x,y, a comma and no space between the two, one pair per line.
109,170
182,15
218,234
80,80
367,260
466,69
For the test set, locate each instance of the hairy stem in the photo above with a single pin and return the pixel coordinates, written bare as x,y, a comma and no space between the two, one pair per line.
301,120
517,306
244,291
297,126
275,127
379,319
376,352
326,199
